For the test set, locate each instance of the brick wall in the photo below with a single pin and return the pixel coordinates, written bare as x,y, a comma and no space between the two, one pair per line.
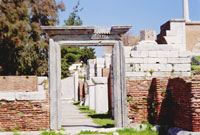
106,73
81,89
24,109
24,115
18,83
165,101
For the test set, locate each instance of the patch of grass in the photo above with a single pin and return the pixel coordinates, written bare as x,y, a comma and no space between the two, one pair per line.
51,133
95,132
16,134
81,77
104,120
195,69
129,131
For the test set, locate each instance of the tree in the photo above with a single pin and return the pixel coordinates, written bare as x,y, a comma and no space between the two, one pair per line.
70,55
86,54
23,46
74,19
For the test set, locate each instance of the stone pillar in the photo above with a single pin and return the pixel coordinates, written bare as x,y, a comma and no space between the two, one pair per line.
119,85
100,62
101,94
107,60
76,86
186,10
91,89
54,84
91,68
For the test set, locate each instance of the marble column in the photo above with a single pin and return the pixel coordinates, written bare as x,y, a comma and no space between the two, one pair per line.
186,10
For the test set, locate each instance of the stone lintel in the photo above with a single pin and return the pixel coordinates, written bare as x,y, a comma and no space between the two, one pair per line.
84,30
100,80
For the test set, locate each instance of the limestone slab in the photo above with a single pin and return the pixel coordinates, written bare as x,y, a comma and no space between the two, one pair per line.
182,67
134,60
179,60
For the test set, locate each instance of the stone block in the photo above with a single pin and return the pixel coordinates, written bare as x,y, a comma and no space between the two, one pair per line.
161,74
155,60
101,96
177,26
134,60
135,74
182,67
179,60
165,67
31,95
128,68
139,54
171,33
184,54
163,54
144,54
181,74
135,54
9,96
146,47
173,54
174,40
164,47
149,67
153,54
153,47
91,89
100,80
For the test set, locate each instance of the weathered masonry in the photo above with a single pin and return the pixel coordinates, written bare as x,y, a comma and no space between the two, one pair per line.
87,36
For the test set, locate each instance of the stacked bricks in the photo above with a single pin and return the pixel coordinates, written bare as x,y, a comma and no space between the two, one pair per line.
21,114
153,61
137,100
81,89
24,115
195,105
169,101
18,83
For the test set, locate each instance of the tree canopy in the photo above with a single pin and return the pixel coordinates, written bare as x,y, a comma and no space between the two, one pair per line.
23,46
71,55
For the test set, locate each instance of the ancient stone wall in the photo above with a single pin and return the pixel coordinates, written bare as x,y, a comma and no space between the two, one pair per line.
27,110
149,61
165,101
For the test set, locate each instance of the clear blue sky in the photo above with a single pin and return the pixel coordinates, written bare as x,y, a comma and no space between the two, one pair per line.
141,14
